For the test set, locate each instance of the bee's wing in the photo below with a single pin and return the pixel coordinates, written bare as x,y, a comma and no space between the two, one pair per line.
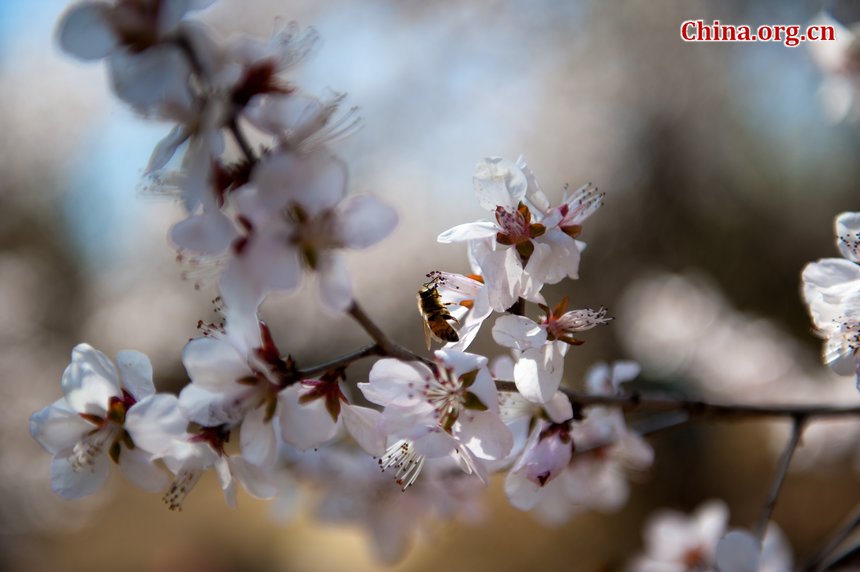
428,334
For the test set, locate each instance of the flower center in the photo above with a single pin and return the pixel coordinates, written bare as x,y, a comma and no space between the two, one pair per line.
87,450
447,394
312,234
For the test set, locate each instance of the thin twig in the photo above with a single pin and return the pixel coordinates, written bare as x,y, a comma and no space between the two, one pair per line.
797,425
241,140
660,423
843,531
386,346
848,558
338,362
697,408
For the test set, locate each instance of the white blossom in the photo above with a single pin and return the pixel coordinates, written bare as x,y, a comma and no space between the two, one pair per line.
450,410
831,288
105,414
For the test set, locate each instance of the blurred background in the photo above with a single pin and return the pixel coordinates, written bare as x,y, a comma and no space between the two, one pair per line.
722,173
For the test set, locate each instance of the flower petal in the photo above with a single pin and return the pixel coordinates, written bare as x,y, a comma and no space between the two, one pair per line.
166,148
209,232
138,468
468,231
499,182
90,381
335,287
57,427
214,364
738,551
135,371
255,480
257,437
363,424
538,372
155,422
392,380
84,31
156,78
304,425
315,180
70,483
484,433
518,332
364,220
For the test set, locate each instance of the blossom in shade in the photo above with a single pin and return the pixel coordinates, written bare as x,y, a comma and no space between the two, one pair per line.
831,288
147,68
675,542
838,59
297,218
105,415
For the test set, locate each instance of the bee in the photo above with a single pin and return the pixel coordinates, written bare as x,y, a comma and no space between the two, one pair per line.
436,315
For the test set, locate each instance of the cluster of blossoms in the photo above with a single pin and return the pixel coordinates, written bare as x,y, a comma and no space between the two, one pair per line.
435,428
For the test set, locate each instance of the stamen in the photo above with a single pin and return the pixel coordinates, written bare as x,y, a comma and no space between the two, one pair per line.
402,457
180,487
85,451
852,243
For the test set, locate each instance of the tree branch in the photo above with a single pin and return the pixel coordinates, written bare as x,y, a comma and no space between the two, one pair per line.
342,361
849,525
697,408
797,425
386,346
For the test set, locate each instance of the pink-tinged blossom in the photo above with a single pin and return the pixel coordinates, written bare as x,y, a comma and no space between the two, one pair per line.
528,244
831,288
543,345
583,464
297,218
547,453
106,414
450,410
521,415
675,542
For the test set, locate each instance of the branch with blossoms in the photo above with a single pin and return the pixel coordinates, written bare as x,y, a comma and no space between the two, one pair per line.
275,216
